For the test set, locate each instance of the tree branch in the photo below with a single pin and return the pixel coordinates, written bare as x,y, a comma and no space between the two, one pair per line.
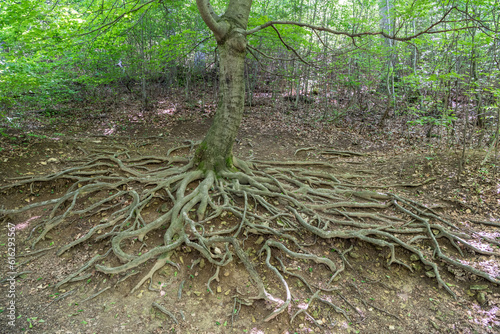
212,12
362,34
289,47
210,18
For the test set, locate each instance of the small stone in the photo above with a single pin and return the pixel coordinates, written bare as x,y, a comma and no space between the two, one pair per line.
202,263
259,240
219,289
217,250
227,292
223,222
391,327
320,322
253,319
181,259
300,284
414,257
226,273
52,160
198,293
430,274
481,297
436,232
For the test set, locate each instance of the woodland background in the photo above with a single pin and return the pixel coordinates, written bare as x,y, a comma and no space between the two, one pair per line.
57,56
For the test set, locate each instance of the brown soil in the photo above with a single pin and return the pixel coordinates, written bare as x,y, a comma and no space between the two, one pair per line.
378,299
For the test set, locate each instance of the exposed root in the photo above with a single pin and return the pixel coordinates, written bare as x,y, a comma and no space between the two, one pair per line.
95,294
165,311
125,201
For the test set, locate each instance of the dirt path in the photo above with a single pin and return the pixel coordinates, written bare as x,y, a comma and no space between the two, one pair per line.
375,298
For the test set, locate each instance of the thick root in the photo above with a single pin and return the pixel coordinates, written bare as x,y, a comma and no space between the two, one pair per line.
285,203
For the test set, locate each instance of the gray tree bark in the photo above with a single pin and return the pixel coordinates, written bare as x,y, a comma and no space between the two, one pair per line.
215,151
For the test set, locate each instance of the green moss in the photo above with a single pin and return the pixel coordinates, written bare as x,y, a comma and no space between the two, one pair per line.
230,164
229,161
201,148
201,166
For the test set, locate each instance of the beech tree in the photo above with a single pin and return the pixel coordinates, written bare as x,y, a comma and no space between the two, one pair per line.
230,31
283,205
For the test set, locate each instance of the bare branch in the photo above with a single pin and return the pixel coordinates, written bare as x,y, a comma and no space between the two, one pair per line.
335,53
428,30
289,47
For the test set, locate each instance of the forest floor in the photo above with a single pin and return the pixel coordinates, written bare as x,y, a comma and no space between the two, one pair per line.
379,299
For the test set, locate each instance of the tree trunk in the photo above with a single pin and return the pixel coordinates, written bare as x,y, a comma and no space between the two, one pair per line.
216,150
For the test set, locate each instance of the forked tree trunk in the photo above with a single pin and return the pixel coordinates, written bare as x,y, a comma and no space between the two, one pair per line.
215,151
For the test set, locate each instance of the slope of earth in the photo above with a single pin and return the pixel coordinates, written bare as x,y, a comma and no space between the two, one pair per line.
369,296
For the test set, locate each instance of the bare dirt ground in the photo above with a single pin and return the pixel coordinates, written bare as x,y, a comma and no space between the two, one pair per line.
375,298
